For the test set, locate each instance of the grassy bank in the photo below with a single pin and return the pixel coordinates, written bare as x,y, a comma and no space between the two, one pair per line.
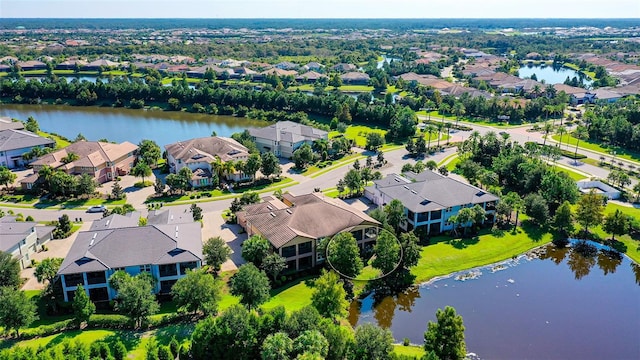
593,146
447,255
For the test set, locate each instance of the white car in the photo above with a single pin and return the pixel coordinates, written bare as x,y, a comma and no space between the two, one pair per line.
97,209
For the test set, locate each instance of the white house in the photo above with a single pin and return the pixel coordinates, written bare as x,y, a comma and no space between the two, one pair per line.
15,143
285,137
22,238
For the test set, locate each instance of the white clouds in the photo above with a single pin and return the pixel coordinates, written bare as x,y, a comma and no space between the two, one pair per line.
322,8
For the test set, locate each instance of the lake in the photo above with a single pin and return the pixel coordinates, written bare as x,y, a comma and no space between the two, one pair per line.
386,59
551,75
119,124
558,306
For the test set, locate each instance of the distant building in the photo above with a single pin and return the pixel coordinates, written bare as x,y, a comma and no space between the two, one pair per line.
15,143
296,225
285,137
22,238
102,161
198,154
166,251
430,199
355,78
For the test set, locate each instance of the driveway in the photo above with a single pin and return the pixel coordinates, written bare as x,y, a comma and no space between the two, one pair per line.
214,225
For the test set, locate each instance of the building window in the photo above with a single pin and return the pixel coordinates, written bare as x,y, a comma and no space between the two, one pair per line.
436,215
71,294
146,267
291,265
166,285
187,266
99,294
304,248
289,251
97,277
73,280
305,263
168,270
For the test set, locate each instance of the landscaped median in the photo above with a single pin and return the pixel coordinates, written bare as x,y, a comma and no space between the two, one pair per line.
592,146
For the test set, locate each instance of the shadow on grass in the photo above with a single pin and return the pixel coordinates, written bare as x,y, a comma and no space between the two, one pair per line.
308,280
463,243
180,331
533,231
130,339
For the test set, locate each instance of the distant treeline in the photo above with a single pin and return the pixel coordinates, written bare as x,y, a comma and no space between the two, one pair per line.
311,24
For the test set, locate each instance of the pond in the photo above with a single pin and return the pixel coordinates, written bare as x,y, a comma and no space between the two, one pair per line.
558,306
119,124
386,59
552,75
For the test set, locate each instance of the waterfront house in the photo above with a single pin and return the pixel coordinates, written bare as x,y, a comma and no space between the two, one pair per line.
285,137
430,199
343,68
22,238
15,143
355,78
102,161
198,154
295,226
166,251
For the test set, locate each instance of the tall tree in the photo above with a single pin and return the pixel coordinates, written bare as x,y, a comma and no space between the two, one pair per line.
329,296
251,285
255,249
141,170
9,270
311,342
270,165
149,152
446,336
277,346
535,206
563,219
82,306
589,211
252,165
343,254
16,310
7,177
32,125
273,264
395,213
387,253
197,292
372,343
47,270
135,297
616,223
581,133
216,252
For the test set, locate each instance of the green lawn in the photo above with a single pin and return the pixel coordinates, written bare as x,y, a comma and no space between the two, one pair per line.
60,142
633,246
448,256
293,296
451,165
358,133
575,67
435,116
79,203
572,174
315,171
606,151
414,352
368,273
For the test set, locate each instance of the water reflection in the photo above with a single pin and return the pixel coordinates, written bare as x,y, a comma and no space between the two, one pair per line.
524,309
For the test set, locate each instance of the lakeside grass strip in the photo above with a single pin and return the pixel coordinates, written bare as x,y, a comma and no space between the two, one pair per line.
592,146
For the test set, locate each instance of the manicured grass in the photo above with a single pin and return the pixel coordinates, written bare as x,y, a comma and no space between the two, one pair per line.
572,174
633,246
20,198
293,297
368,273
413,352
343,88
451,165
315,171
358,133
448,256
606,151
60,142
575,67
70,204
435,115
448,159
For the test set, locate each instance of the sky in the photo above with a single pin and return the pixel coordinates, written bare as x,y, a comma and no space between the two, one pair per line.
319,9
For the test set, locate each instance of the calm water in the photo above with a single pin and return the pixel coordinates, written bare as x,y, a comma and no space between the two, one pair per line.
551,75
386,59
120,124
561,306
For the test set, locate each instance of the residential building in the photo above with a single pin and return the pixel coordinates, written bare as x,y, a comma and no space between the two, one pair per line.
166,251
355,78
310,77
286,65
15,143
22,238
295,226
6,123
285,137
31,65
430,199
342,67
100,64
198,154
313,66
102,161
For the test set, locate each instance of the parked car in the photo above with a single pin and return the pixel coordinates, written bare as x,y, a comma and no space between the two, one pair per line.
97,209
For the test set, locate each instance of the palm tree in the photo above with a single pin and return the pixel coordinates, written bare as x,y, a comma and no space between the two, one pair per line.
448,126
429,130
445,108
439,126
505,136
429,105
458,109
548,109
141,170
580,134
561,131
229,167
474,137
217,165
547,129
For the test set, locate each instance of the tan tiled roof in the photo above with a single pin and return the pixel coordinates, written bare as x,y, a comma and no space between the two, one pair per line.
207,147
91,153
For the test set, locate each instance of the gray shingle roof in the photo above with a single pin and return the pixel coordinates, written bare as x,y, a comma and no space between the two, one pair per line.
6,123
288,131
169,216
12,231
11,139
314,216
207,147
115,221
429,191
131,246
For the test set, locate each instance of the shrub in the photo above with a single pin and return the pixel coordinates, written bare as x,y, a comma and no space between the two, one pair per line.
185,350
119,351
109,322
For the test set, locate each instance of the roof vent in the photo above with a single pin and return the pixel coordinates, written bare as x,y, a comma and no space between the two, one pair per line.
289,211
176,228
108,221
413,192
272,214
269,207
176,234
406,187
480,193
425,202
